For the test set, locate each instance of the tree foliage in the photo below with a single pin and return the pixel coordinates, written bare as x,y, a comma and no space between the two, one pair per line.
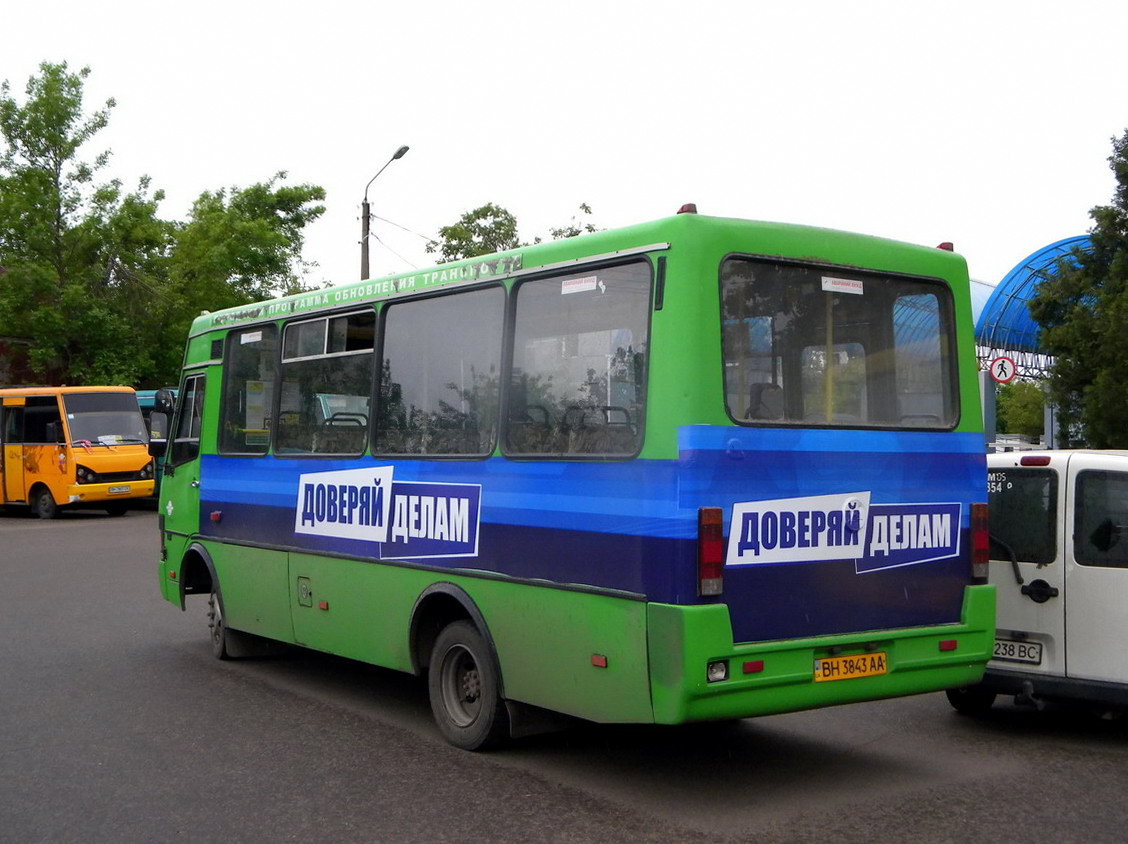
491,228
1083,313
100,287
1020,409
488,228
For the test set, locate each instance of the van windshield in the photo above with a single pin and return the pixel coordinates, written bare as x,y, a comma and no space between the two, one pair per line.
104,418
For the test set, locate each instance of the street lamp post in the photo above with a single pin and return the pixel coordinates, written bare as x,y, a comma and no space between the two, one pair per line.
365,215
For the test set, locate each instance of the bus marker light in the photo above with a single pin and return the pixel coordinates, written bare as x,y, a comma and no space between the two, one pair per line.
323,605
172,575
948,645
947,246
1035,460
688,208
599,660
216,516
717,671
754,666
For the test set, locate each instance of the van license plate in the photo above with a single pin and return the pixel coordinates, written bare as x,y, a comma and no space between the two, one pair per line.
1011,650
850,667
114,490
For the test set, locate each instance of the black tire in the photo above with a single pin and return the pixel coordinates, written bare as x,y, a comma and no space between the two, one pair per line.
43,504
971,700
465,691
236,644
117,508
217,628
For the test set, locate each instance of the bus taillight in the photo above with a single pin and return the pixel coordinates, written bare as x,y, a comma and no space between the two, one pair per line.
980,554
710,551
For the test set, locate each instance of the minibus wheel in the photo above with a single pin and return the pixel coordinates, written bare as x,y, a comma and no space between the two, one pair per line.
43,503
462,680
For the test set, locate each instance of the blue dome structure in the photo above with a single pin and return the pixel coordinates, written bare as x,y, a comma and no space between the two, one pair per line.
1004,326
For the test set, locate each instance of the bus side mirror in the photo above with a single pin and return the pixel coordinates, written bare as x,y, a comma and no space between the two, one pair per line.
157,448
163,402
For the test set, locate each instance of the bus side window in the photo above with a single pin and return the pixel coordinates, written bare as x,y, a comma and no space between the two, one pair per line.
326,385
42,422
248,391
440,375
13,425
578,375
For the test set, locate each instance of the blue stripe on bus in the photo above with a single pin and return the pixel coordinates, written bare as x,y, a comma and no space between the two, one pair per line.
571,523
748,465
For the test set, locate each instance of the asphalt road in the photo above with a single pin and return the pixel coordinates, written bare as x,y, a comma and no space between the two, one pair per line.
117,725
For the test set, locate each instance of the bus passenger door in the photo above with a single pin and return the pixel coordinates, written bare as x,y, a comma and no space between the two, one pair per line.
12,461
180,487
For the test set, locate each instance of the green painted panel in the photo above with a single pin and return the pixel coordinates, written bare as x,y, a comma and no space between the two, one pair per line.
253,584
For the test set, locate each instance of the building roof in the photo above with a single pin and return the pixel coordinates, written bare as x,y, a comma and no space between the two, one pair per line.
1005,321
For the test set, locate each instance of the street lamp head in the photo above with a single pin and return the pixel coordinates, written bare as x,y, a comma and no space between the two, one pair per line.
365,214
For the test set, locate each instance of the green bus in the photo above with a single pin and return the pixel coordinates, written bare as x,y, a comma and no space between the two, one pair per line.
695,469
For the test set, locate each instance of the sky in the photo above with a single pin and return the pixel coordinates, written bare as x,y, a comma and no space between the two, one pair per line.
984,123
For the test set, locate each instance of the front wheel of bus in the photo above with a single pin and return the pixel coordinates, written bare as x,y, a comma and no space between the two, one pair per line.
217,628
462,680
43,504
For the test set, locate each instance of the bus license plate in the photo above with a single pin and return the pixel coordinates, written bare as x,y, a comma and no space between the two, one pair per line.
1011,650
116,489
850,667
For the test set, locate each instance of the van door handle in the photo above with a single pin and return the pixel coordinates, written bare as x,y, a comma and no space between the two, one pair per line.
194,484
1039,591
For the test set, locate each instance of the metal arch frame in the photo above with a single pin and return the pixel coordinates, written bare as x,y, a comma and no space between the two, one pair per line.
1005,326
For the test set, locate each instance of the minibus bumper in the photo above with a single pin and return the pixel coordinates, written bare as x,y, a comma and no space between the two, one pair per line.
698,674
96,493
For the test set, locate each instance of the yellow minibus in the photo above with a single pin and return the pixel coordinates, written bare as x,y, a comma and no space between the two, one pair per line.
72,447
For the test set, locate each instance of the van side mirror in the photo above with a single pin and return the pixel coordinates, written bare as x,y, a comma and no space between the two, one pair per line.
157,448
164,402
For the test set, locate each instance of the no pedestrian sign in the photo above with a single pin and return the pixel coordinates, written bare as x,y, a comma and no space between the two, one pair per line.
1003,369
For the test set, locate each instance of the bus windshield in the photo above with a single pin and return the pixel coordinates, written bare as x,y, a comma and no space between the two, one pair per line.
104,418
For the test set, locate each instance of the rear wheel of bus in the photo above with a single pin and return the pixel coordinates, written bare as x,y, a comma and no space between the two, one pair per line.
465,694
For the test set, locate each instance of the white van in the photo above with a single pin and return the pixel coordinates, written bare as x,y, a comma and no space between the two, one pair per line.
1059,561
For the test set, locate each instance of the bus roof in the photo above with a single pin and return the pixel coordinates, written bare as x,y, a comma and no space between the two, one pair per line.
784,240
54,391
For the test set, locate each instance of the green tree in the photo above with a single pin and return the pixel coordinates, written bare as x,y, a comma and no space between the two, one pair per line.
491,228
1083,313
1020,409
75,254
575,226
103,288
487,229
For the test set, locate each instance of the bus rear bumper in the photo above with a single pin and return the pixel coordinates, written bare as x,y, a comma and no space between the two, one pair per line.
779,676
